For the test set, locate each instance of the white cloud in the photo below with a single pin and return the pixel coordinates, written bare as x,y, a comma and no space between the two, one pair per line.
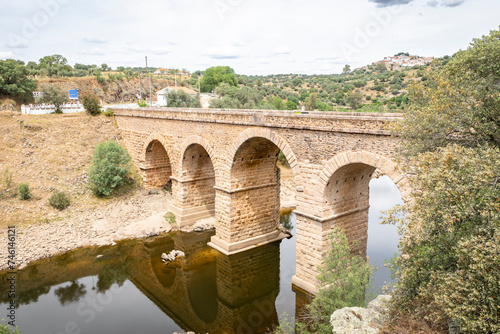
145,49
93,39
283,50
94,51
452,3
6,54
222,52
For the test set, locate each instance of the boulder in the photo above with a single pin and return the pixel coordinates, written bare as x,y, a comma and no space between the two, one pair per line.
359,320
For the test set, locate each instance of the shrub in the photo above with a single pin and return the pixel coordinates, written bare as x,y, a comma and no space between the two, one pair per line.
142,103
7,329
59,200
109,113
170,218
344,279
449,244
7,177
24,191
92,104
110,165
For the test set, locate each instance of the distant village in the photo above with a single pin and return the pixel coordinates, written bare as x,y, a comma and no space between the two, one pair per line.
406,60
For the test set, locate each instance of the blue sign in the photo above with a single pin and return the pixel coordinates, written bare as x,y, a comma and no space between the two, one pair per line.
73,94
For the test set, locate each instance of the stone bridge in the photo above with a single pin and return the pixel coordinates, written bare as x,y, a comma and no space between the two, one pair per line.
222,163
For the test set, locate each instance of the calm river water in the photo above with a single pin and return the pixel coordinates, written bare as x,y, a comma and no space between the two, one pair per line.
125,289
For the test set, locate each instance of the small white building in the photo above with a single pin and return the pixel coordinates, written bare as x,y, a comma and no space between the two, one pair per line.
161,95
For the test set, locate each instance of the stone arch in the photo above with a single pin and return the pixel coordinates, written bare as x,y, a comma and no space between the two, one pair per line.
195,139
384,164
344,187
273,137
156,167
193,188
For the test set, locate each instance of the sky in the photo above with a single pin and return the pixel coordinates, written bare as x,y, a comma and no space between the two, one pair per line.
254,37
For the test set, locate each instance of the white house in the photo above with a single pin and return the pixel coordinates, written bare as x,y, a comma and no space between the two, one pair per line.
161,95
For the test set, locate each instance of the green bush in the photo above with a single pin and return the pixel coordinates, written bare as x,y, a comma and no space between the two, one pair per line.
59,200
7,329
24,191
92,104
109,113
449,240
142,103
344,279
110,165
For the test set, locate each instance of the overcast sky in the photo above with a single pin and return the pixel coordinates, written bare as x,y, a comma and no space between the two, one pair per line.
251,36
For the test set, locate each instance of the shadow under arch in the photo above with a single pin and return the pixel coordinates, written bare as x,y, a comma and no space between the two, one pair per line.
344,185
156,167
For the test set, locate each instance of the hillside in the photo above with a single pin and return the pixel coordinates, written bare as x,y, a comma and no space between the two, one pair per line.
49,152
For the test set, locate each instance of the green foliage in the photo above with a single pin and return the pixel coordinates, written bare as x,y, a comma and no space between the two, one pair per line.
7,329
343,280
59,200
110,166
466,97
214,76
181,99
54,94
237,98
53,65
355,99
450,241
24,191
291,105
14,80
170,218
285,325
7,178
109,113
142,103
92,104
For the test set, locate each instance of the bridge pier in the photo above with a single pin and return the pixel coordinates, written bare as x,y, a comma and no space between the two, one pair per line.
193,194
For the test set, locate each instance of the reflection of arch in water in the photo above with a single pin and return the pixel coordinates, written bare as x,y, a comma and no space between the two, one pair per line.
242,292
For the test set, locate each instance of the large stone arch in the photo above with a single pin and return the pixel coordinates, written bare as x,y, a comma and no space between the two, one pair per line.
248,200
383,163
156,161
193,193
273,137
195,139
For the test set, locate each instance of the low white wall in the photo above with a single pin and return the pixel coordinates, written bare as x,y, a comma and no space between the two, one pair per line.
43,108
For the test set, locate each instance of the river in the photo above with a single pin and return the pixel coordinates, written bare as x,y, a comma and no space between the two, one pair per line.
126,289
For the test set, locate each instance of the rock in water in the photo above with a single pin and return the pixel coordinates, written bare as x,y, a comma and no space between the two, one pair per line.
358,320
172,256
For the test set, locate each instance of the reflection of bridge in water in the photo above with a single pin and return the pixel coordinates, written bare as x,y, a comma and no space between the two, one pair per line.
213,293
207,292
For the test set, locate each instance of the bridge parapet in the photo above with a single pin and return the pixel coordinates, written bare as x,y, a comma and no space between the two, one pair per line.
350,122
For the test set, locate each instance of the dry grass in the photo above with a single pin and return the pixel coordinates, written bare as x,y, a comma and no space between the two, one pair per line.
49,152
408,324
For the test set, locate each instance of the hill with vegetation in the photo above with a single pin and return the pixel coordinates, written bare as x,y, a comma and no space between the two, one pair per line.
379,87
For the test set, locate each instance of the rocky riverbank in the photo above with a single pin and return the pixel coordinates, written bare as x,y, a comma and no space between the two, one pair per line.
136,216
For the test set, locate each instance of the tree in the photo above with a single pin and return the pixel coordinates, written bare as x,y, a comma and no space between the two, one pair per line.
92,104
450,239
181,99
311,101
214,76
460,104
53,65
105,67
14,80
343,280
291,105
54,95
110,165
355,99
347,69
